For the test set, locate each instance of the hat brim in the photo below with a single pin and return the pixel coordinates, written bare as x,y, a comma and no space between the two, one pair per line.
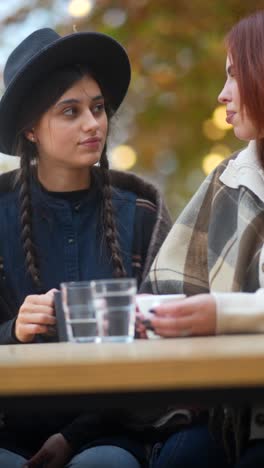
105,56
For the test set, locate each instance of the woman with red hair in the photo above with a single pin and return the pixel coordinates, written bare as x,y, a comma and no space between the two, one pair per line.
220,262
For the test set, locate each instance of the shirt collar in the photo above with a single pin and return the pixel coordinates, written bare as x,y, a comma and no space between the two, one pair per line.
245,171
40,194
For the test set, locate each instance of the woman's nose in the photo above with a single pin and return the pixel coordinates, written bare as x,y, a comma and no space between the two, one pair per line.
89,122
224,97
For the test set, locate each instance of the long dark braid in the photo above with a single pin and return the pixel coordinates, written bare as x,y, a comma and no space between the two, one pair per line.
110,231
26,212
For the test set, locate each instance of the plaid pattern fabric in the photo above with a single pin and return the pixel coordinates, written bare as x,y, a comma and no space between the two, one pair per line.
215,243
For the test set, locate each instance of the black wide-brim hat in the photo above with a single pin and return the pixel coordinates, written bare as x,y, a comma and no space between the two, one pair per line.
45,51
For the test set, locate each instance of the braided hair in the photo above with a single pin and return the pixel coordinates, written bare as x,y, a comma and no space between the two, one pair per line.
32,265
108,221
36,104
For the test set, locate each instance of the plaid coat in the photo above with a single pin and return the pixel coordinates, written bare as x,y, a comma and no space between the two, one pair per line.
216,244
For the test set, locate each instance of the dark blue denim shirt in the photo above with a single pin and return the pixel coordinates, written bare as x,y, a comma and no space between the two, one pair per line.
68,239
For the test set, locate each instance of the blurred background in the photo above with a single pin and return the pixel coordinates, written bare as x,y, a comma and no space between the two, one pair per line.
170,129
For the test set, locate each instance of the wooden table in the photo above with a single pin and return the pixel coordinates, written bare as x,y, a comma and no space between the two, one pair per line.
201,370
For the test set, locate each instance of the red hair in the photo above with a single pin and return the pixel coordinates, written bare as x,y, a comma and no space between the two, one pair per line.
245,44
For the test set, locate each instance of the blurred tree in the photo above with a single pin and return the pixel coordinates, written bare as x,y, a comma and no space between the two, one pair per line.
178,61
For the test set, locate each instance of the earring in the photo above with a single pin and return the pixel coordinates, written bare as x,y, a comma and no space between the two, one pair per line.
32,138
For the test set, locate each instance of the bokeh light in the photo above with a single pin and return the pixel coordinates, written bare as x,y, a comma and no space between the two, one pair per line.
210,161
219,118
79,8
123,157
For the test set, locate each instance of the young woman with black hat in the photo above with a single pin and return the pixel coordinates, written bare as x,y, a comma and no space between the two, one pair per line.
65,219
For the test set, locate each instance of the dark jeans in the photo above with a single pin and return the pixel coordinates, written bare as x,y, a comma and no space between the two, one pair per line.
194,447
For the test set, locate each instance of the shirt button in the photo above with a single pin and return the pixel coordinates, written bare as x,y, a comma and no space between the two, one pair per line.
77,207
259,419
70,240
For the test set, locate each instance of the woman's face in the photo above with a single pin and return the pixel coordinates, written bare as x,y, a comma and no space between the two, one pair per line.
244,129
72,133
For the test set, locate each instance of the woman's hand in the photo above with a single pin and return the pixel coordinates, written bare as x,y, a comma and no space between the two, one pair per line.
54,453
193,316
35,316
141,331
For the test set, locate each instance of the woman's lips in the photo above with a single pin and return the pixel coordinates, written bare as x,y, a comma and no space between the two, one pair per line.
229,116
91,143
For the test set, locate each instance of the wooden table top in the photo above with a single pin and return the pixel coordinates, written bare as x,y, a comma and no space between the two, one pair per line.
184,363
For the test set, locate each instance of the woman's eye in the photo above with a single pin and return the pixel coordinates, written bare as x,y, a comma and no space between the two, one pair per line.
98,109
231,71
70,111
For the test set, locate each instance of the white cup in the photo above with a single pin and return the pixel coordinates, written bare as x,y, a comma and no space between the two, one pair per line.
146,302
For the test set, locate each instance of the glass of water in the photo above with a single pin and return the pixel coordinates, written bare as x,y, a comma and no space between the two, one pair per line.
117,321
79,307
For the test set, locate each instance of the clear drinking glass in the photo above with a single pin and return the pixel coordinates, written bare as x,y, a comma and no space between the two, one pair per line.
79,307
117,321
